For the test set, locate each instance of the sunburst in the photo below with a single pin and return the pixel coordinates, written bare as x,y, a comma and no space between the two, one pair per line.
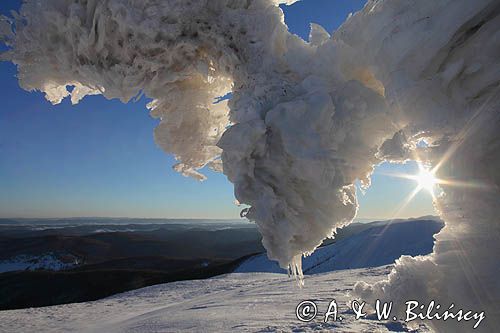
426,179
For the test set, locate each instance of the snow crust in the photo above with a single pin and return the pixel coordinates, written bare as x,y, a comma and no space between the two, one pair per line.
306,119
231,303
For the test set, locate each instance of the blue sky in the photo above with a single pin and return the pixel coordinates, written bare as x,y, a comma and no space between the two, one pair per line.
98,158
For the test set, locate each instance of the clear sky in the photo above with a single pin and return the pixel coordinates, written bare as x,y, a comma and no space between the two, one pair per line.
98,158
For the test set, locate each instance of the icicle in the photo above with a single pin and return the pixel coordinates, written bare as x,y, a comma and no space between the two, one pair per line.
295,267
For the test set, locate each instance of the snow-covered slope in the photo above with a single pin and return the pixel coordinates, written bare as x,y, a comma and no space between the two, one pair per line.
378,245
248,302
251,302
47,261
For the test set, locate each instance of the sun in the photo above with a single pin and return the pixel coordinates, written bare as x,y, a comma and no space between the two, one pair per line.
426,180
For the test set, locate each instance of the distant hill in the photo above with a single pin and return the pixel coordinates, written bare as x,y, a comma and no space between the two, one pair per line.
181,243
366,245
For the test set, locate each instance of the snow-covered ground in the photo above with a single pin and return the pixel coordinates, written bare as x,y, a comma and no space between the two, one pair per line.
48,261
246,302
249,302
381,244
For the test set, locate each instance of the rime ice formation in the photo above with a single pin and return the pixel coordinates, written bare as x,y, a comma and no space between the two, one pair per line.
307,119
439,63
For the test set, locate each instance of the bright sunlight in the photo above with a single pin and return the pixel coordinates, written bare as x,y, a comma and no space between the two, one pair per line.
426,179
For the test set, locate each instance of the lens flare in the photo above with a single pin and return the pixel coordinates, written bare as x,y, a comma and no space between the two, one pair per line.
426,180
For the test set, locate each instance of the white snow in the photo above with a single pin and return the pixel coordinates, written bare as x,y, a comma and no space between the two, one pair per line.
231,303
